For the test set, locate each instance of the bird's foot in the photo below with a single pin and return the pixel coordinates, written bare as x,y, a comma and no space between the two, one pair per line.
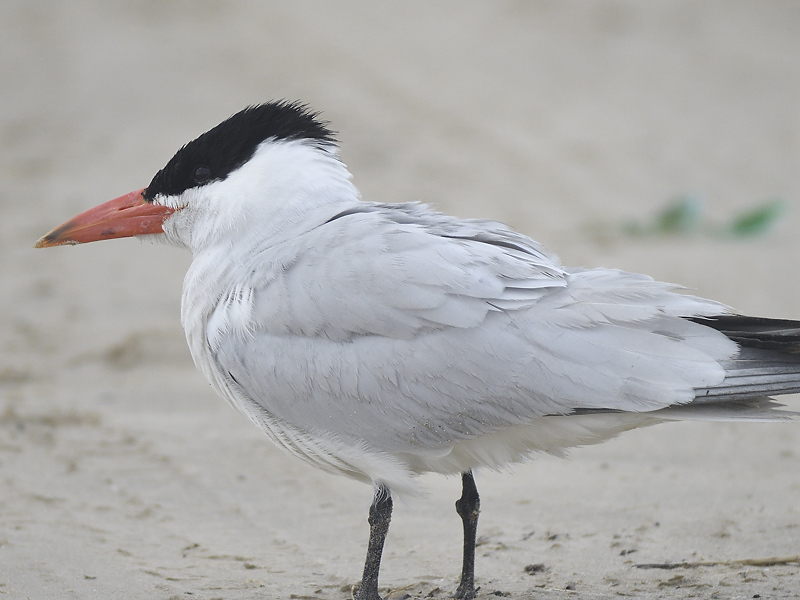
359,592
466,591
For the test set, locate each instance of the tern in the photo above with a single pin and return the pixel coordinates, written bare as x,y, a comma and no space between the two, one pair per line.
383,341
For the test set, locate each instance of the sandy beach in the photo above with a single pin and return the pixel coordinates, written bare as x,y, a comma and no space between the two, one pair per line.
122,475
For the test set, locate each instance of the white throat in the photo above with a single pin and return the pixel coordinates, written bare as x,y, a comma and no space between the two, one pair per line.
253,217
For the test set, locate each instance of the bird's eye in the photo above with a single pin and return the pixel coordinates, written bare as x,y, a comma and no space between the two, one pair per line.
202,174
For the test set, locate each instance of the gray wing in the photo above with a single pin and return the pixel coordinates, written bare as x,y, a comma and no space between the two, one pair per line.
406,330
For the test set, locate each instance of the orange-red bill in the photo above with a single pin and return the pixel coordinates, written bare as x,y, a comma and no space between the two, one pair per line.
125,216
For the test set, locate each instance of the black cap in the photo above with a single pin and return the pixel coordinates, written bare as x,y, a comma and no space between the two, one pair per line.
226,147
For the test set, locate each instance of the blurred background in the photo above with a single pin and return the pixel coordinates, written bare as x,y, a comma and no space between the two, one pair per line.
578,123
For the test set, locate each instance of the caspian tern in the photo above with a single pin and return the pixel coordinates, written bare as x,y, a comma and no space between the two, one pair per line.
382,341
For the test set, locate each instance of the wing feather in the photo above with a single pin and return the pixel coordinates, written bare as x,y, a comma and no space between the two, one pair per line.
409,331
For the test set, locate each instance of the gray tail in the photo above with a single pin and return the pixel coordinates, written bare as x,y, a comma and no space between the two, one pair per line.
768,363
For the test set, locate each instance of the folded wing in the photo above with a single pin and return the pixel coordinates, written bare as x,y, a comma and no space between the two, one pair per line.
409,331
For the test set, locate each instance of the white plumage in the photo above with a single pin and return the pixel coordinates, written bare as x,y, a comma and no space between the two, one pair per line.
382,341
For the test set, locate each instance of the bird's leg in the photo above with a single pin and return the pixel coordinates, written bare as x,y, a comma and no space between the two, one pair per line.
468,507
380,513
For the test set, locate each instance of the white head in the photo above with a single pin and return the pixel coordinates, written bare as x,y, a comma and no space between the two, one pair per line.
267,165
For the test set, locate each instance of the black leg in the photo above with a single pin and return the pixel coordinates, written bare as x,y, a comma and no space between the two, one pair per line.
468,507
380,513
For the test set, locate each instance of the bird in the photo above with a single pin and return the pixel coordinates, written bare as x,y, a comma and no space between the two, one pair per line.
381,341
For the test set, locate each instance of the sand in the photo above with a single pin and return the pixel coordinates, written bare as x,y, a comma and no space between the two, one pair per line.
123,476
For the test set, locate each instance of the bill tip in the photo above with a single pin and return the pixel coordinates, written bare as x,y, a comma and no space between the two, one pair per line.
49,241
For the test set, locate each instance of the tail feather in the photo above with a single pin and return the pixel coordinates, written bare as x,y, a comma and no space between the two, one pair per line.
768,363
782,335
764,410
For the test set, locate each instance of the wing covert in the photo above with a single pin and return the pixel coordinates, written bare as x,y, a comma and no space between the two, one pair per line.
365,273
